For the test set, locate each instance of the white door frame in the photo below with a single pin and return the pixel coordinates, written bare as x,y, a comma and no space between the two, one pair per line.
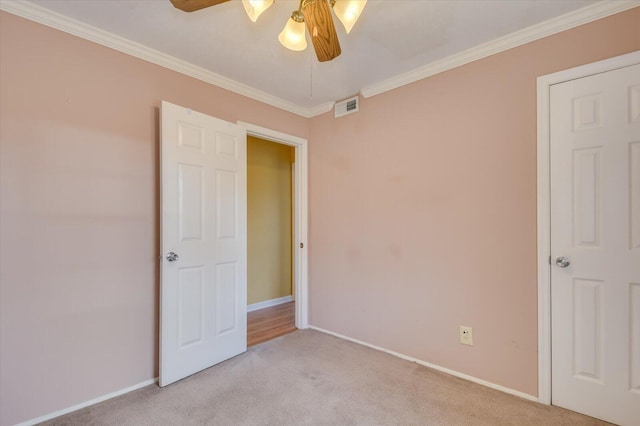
544,206
300,218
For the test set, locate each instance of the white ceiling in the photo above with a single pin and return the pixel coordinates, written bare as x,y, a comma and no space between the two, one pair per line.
392,37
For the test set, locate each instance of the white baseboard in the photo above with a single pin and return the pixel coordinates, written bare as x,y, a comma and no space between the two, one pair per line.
269,303
435,367
275,302
87,403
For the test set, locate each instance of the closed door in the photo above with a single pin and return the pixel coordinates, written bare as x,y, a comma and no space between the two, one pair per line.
595,245
203,318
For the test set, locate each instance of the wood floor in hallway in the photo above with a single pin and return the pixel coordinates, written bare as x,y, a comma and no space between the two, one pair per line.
269,323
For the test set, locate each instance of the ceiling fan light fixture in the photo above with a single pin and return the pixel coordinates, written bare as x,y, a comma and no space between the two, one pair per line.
348,11
254,8
293,35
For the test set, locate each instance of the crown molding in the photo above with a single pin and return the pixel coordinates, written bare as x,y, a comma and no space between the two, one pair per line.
553,26
320,109
80,29
88,32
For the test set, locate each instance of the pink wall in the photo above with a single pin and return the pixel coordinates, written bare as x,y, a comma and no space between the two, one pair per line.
79,213
423,209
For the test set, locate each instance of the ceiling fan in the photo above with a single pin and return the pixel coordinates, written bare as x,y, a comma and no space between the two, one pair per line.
315,15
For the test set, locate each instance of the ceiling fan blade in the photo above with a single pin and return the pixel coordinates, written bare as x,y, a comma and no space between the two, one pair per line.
317,17
191,5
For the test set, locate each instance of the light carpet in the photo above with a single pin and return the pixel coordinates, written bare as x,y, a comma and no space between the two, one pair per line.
310,378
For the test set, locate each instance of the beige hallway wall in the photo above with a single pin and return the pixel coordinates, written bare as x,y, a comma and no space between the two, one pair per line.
79,225
269,230
423,209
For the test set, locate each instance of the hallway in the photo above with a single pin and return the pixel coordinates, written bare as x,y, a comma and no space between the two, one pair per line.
269,323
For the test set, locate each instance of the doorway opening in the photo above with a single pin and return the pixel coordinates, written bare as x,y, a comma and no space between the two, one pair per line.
270,293
277,231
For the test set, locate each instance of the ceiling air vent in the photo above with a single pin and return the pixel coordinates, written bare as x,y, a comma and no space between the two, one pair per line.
348,106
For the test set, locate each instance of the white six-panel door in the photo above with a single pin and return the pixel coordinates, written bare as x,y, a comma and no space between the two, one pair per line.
595,225
203,290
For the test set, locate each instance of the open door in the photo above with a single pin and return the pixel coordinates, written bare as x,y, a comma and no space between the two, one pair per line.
203,319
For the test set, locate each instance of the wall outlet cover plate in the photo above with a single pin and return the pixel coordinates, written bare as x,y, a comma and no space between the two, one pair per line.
466,335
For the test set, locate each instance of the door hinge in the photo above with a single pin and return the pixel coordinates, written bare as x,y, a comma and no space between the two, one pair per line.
549,260
301,245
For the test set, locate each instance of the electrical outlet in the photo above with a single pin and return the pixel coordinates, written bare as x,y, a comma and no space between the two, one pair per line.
466,335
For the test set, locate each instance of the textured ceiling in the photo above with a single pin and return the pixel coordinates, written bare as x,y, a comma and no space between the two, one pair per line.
392,37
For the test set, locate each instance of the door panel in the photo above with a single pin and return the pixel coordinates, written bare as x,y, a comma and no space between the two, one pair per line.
190,300
190,201
203,292
586,195
634,166
594,221
226,297
634,352
226,204
587,326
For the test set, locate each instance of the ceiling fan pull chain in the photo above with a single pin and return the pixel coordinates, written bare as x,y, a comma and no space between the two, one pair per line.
310,77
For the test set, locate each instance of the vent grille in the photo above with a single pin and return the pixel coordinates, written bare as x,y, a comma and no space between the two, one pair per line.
348,106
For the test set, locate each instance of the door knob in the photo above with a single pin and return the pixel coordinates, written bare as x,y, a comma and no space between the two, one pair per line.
563,262
172,257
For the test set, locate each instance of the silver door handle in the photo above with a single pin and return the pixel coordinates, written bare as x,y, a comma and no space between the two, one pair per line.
172,257
563,262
